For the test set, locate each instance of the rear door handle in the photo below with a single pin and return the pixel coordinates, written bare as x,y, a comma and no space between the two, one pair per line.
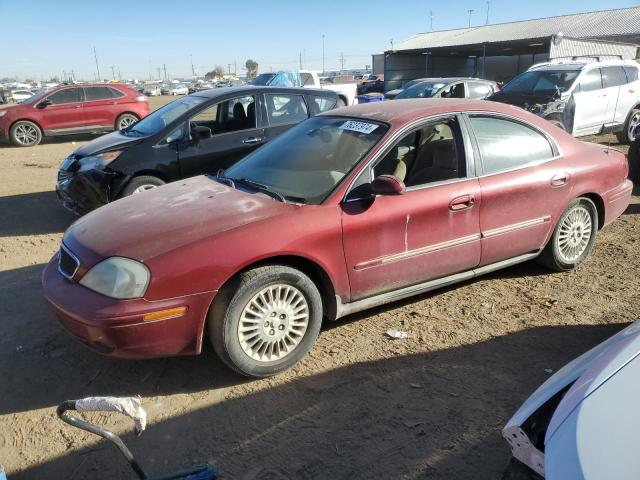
560,179
252,140
462,203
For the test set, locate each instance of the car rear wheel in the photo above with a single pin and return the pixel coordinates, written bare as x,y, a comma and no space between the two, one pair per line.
573,237
25,134
266,321
125,120
141,184
633,158
626,135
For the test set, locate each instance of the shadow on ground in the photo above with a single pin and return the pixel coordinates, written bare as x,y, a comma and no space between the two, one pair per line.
33,214
429,415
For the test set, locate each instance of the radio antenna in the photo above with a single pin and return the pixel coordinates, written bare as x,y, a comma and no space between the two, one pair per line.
613,117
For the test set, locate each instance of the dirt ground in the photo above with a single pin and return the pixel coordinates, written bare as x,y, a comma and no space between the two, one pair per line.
359,406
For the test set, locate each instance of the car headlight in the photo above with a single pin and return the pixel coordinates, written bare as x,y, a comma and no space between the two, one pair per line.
118,277
99,161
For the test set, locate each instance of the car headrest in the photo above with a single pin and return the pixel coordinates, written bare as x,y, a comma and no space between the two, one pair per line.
444,157
238,112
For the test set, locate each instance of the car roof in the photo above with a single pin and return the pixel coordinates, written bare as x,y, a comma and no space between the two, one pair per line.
401,112
218,92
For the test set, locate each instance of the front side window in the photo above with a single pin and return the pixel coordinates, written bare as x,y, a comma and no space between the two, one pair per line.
68,95
164,116
506,144
284,108
478,90
307,161
228,116
591,81
433,153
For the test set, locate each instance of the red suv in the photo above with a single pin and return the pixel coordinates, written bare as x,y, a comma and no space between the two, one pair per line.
72,109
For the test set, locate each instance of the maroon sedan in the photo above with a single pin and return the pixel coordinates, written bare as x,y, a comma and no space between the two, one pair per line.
350,209
72,109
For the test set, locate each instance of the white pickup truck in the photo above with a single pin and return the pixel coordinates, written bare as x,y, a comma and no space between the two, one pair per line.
346,91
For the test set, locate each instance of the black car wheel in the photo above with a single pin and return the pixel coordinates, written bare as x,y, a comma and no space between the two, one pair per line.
141,184
633,158
573,237
625,136
25,134
266,321
125,120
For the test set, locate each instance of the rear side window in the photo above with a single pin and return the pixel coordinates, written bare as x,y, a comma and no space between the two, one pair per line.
322,104
68,95
306,79
591,81
97,93
115,93
613,76
632,74
478,90
505,144
283,109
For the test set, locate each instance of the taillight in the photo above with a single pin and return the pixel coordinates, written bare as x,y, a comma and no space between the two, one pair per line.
141,98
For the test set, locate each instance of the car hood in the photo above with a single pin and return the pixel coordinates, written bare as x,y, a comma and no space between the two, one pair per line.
8,106
111,141
148,224
585,374
520,99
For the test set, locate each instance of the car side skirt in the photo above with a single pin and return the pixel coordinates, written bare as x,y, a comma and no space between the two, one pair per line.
343,309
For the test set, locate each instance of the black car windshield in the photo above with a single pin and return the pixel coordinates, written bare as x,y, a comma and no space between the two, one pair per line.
162,117
545,82
421,90
305,163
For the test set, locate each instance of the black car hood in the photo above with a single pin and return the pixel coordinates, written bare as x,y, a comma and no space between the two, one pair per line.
111,141
521,99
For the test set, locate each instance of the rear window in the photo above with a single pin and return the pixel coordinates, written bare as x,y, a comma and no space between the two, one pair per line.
632,74
613,77
322,104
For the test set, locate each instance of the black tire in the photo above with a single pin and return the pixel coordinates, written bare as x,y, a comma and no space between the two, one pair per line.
124,120
341,103
224,316
24,133
633,158
625,135
140,182
552,256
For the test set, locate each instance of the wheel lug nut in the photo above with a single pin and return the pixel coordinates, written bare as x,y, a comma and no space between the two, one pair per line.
281,327
272,332
283,316
266,324
273,314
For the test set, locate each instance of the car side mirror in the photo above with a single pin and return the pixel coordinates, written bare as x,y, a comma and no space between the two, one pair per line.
43,104
387,185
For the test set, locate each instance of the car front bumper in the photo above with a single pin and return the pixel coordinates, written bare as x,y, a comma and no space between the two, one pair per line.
116,327
81,191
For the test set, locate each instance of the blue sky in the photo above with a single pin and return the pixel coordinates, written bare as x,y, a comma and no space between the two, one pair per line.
45,38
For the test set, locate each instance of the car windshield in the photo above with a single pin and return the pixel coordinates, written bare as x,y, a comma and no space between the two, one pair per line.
262,79
305,163
35,98
162,117
545,82
421,90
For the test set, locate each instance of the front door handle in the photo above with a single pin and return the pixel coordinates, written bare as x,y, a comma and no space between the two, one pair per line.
252,140
462,203
560,179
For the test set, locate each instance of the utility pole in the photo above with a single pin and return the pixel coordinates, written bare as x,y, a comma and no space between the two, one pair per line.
323,54
95,55
159,72
391,42
488,6
113,72
193,70
300,60
73,75
341,62
470,12
235,68
164,66
229,66
119,75
431,19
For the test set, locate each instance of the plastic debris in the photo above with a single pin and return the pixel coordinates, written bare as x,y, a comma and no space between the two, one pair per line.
129,406
393,333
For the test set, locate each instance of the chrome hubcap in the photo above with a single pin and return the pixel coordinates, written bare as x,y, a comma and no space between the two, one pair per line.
144,188
126,121
575,233
273,323
26,134
633,123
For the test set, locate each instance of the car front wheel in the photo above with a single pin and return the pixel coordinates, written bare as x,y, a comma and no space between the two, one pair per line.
125,120
266,321
573,237
141,184
625,136
25,134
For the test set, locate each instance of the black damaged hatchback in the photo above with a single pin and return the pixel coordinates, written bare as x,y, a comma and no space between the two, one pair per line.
197,134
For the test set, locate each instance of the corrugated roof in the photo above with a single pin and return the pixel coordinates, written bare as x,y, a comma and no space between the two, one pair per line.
605,24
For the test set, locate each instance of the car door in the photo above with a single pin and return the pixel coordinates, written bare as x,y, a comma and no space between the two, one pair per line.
283,111
63,111
432,230
524,185
615,78
98,105
234,131
590,103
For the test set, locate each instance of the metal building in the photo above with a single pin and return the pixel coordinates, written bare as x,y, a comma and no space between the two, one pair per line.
501,51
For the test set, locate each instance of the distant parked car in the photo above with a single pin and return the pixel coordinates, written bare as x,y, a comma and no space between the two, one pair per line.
345,211
152,90
473,88
72,109
179,90
582,423
583,97
371,84
20,96
197,134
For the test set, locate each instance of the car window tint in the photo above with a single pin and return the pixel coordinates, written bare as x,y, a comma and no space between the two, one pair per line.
478,90
240,113
115,93
322,104
431,154
613,76
632,74
282,109
97,93
67,95
591,81
453,91
505,144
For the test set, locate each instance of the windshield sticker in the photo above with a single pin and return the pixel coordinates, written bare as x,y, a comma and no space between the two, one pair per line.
360,127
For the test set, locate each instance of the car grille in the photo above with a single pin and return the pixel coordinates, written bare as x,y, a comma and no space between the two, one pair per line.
68,263
64,176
